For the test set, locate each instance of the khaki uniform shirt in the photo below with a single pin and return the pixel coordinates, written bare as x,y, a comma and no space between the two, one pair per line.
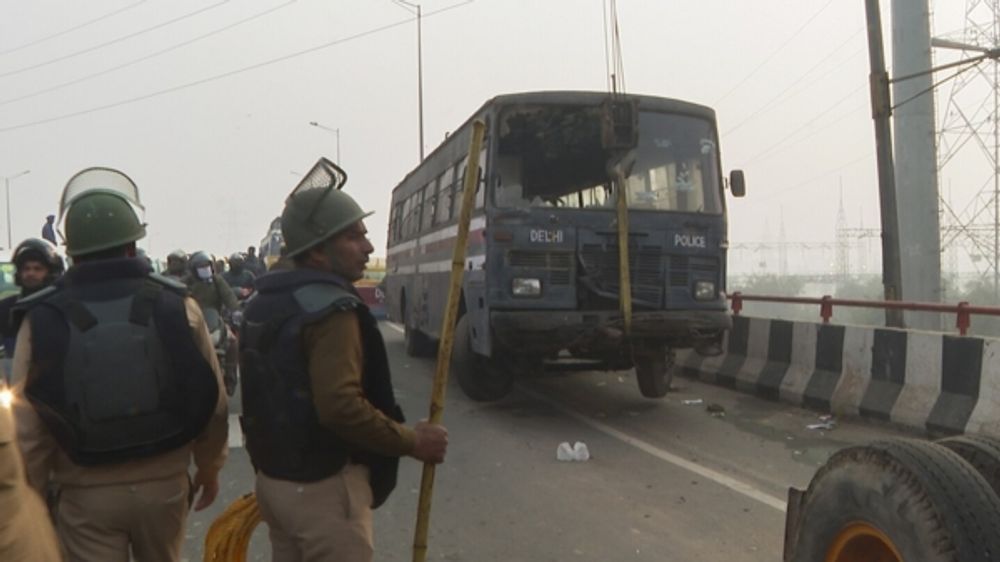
335,361
26,533
46,461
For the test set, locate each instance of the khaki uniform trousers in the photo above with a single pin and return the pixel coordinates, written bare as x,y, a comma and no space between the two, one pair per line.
325,521
101,523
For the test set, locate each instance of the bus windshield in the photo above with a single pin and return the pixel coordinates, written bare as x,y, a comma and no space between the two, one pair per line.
551,156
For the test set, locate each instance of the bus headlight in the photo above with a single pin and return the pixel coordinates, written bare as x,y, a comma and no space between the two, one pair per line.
704,291
526,287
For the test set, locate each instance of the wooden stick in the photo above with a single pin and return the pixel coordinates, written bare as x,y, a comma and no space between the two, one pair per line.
448,333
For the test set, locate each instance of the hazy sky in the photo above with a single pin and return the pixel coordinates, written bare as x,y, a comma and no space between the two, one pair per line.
214,159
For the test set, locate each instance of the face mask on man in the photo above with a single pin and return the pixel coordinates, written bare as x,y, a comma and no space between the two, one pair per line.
204,273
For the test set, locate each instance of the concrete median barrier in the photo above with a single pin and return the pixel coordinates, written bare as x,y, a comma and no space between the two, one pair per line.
941,383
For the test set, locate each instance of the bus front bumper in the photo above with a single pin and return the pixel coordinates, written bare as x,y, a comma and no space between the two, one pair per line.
552,330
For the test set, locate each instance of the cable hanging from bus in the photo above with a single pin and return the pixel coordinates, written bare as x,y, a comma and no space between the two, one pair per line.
542,283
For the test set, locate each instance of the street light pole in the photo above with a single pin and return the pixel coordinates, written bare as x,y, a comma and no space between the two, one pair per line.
420,69
6,189
336,133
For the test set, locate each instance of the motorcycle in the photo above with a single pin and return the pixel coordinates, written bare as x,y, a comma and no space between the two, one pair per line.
224,341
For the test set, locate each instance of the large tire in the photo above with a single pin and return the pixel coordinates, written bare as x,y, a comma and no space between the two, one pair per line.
983,453
417,343
895,501
653,370
480,378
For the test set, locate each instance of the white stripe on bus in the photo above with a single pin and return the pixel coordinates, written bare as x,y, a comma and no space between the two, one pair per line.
436,236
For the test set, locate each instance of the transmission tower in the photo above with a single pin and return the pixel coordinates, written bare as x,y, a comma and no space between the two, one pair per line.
969,138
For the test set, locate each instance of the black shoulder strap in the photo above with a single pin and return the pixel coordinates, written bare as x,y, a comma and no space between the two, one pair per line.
74,310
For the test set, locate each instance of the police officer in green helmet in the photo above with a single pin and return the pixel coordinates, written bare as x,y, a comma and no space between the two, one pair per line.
322,426
121,388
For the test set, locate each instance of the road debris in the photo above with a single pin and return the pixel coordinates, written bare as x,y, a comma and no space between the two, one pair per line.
826,423
716,410
578,452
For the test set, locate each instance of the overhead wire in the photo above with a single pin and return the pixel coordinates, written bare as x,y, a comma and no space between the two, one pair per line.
775,52
780,95
231,73
789,137
149,56
68,30
112,41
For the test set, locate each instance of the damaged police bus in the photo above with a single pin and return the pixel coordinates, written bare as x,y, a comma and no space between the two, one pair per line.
542,287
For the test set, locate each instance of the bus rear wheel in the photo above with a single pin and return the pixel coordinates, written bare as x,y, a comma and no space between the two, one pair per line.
895,501
653,369
481,378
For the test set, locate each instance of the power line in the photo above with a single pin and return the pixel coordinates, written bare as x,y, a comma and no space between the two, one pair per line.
216,77
813,179
789,136
146,57
113,41
780,94
775,52
71,29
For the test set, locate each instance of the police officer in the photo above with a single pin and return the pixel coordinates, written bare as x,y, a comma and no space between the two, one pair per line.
239,278
37,265
322,425
122,388
177,265
26,533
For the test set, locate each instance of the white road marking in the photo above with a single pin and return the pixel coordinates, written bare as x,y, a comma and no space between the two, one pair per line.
717,477
396,327
235,432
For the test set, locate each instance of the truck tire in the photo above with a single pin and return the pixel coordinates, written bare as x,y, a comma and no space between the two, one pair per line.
653,371
894,501
480,378
983,453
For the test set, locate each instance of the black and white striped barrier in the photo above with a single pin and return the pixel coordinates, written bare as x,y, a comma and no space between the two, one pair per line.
927,380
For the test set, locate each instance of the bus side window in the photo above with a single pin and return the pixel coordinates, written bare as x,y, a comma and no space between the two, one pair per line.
404,228
430,206
459,187
481,179
445,192
418,205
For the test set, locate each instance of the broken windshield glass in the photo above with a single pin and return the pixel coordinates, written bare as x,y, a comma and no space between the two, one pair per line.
551,156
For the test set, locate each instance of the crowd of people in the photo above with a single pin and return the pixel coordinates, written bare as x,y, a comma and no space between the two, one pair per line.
119,418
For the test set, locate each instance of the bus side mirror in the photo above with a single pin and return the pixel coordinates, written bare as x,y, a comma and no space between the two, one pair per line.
737,184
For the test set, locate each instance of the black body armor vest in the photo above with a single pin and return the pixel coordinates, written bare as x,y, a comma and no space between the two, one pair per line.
115,372
283,434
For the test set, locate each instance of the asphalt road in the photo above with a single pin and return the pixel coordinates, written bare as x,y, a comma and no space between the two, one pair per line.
667,479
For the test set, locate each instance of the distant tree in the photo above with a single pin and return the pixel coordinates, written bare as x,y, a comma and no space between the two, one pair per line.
777,286
981,293
860,288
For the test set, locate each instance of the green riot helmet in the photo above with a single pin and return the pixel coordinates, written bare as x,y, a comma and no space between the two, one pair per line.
317,209
99,209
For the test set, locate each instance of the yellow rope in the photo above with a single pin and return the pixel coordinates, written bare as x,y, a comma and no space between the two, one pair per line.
229,536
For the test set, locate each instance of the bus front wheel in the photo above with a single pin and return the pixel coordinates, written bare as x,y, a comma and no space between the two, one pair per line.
653,369
481,378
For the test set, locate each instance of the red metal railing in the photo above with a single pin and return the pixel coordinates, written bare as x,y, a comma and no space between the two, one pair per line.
963,311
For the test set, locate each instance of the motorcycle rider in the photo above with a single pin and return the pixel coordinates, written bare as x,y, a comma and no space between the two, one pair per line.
121,387
210,290
239,277
38,265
